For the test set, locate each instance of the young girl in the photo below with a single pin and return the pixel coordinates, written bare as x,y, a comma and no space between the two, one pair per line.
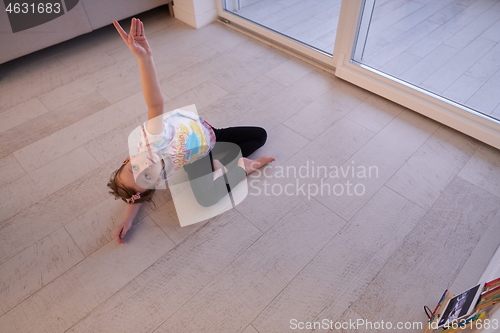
180,139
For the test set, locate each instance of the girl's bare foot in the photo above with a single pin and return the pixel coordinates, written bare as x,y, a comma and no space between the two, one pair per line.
252,165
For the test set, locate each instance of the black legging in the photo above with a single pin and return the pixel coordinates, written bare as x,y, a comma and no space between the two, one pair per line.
245,139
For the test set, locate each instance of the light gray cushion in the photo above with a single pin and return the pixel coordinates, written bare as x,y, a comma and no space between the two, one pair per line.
86,16
102,13
67,26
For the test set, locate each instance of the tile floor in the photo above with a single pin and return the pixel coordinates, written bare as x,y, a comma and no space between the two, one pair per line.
423,218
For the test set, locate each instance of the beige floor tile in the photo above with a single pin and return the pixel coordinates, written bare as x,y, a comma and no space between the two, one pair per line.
230,109
10,170
118,76
16,70
234,78
67,299
202,96
41,83
36,267
228,41
57,174
288,101
453,225
24,78
250,329
207,69
42,218
482,169
342,140
383,156
113,143
289,72
339,281
375,113
19,195
423,182
392,218
86,52
95,228
120,84
166,218
176,29
326,110
66,94
282,144
263,270
166,285
352,322
21,113
474,267
182,37
78,133
38,129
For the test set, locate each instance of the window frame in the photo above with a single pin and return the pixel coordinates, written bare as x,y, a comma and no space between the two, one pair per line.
449,113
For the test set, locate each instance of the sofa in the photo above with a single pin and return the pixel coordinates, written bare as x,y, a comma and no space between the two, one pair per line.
83,16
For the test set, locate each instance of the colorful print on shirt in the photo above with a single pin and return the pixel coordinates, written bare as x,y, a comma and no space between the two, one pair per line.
186,137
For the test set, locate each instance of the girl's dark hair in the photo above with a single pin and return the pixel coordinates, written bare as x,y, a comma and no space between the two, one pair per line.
120,191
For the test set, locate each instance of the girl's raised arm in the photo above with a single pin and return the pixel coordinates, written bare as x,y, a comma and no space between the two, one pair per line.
138,44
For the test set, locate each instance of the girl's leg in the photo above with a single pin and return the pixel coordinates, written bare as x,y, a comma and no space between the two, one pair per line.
248,138
207,190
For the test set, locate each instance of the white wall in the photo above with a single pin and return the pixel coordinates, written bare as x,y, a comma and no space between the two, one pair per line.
196,13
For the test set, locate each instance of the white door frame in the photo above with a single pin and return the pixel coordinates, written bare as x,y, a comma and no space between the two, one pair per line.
452,114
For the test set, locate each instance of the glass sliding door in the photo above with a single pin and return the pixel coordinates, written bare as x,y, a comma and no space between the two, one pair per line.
308,26
312,22
440,58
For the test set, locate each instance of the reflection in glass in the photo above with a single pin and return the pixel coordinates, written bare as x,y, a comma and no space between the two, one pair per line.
312,22
450,48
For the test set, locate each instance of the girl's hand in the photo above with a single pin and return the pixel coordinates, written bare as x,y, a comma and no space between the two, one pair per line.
136,40
121,230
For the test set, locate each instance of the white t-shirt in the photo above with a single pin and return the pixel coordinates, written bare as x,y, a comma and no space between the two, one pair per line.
186,137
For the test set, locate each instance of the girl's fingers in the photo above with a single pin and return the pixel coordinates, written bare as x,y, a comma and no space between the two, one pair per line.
117,235
132,27
124,231
136,28
142,28
120,30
